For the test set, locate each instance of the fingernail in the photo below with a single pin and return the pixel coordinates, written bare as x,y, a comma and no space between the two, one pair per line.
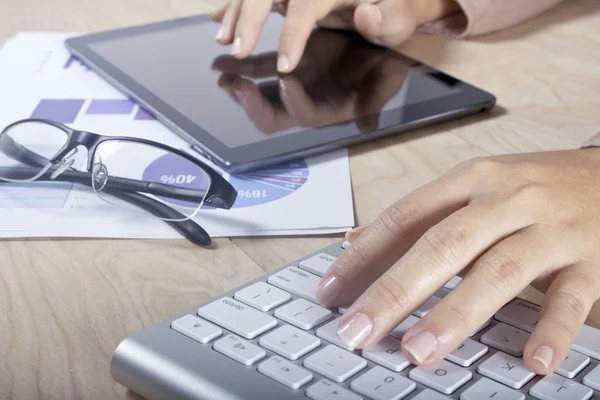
354,233
356,329
544,354
237,46
221,33
283,63
328,290
421,346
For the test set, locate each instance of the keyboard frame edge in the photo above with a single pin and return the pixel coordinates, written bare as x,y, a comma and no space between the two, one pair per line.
156,364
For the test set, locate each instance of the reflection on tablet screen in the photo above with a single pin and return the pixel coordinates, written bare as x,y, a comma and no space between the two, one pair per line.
341,79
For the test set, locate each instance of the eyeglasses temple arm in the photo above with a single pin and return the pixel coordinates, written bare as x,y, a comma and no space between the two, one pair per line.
188,228
20,153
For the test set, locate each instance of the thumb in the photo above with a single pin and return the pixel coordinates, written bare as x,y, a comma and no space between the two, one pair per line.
388,23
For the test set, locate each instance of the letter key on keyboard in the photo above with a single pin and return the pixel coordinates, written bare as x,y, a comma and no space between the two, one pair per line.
262,296
404,326
318,264
506,338
488,389
525,315
555,387
444,377
381,384
388,354
289,342
592,379
285,372
237,317
327,390
467,353
196,328
303,314
239,350
335,363
506,369
573,364
296,281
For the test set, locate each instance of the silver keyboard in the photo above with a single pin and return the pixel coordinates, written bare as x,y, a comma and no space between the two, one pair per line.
271,339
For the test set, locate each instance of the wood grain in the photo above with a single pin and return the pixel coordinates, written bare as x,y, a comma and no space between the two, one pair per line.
66,304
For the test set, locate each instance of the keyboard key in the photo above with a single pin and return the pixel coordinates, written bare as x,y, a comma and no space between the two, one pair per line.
329,332
467,353
573,364
452,283
525,315
196,328
429,394
318,264
285,372
289,342
296,281
444,377
303,314
555,387
404,326
506,338
592,379
345,244
506,369
239,350
387,353
237,317
262,296
428,305
335,363
327,390
380,384
520,314
342,310
588,342
482,327
488,389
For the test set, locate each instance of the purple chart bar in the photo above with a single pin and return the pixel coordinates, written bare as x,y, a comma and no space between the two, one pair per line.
110,107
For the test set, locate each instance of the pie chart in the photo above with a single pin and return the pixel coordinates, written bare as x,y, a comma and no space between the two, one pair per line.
254,188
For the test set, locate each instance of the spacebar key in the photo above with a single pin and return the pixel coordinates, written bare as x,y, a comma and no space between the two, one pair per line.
237,317
296,281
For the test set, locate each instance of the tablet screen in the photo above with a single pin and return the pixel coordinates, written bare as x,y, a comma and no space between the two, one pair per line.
341,80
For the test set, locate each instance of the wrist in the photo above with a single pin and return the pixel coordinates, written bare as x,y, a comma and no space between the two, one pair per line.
430,10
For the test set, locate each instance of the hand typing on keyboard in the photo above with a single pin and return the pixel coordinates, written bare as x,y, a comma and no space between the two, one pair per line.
502,222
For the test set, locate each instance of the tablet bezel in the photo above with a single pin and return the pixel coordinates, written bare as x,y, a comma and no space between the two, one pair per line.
468,99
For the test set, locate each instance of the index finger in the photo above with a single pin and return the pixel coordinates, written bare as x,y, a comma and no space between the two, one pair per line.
301,18
394,232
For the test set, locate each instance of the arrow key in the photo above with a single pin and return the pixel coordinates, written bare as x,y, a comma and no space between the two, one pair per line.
506,338
327,390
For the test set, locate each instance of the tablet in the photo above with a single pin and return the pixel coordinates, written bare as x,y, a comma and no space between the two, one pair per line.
243,115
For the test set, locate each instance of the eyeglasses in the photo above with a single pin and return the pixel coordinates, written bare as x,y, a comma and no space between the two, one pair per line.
134,174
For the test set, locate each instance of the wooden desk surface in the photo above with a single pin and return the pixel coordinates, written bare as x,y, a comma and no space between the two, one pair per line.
66,304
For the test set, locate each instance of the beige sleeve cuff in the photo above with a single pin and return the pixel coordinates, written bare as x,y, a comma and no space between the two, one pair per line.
479,17
593,142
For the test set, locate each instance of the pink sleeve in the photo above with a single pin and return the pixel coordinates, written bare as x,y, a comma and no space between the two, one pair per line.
485,16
